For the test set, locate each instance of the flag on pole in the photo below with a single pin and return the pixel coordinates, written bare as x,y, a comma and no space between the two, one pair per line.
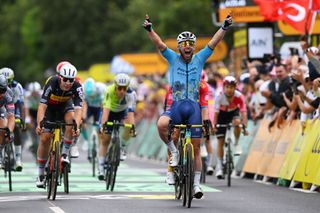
300,14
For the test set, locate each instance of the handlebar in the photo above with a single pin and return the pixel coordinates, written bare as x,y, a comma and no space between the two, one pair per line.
58,124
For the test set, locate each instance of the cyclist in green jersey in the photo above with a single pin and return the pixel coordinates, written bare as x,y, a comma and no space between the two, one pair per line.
118,104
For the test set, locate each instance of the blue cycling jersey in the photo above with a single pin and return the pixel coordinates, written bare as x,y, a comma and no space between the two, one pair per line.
184,78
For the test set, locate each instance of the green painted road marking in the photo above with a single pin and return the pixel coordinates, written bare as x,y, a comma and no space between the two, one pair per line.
81,180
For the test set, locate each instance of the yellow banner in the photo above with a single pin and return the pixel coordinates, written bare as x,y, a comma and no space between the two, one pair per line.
257,147
308,165
242,14
292,158
268,151
288,136
240,38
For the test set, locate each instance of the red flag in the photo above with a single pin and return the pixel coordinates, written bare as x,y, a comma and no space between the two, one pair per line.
294,12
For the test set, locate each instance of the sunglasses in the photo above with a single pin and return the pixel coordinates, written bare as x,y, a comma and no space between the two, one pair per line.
122,88
71,80
186,43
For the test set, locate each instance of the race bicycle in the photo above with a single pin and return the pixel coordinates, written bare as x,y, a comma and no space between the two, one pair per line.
8,160
113,158
54,167
184,171
228,164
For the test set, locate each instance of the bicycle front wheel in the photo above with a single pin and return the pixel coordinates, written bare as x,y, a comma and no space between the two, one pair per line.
190,174
9,160
55,171
94,155
65,172
229,163
115,164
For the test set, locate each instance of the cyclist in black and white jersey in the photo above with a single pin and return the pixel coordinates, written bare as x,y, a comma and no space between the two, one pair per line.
61,101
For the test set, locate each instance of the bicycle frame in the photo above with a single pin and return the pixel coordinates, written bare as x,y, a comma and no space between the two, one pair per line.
228,157
54,161
113,160
184,172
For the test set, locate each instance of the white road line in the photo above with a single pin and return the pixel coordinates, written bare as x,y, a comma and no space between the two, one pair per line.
57,209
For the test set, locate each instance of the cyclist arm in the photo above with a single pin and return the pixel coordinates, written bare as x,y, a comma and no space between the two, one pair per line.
105,115
40,114
219,35
84,110
153,36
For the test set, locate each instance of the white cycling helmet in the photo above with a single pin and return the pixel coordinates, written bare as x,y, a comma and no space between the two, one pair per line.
230,80
122,79
68,71
3,83
59,66
8,73
34,86
186,36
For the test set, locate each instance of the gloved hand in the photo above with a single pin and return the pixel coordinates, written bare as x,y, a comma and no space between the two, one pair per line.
207,127
133,131
227,22
147,24
11,136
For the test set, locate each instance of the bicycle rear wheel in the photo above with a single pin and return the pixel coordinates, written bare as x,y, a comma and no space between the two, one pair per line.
190,175
204,170
55,171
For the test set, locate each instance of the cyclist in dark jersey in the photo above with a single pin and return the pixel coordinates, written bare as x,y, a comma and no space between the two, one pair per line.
7,118
61,101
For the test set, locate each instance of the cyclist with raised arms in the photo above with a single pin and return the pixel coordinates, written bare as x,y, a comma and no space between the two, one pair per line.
61,101
18,100
203,101
184,79
7,118
92,105
118,104
227,106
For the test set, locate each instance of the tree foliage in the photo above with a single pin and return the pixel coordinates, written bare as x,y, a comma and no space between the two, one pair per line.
36,35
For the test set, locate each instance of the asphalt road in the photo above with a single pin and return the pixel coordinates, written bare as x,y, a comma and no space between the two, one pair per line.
141,187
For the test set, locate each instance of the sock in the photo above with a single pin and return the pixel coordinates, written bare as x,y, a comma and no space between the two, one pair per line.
66,146
209,159
171,146
41,165
17,149
197,175
101,163
219,164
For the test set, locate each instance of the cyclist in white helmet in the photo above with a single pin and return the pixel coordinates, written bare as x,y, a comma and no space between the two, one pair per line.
61,101
18,100
92,106
228,106
119,104
184,78
7,119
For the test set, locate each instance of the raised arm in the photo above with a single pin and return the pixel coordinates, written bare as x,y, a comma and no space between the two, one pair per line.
153,36
219,35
